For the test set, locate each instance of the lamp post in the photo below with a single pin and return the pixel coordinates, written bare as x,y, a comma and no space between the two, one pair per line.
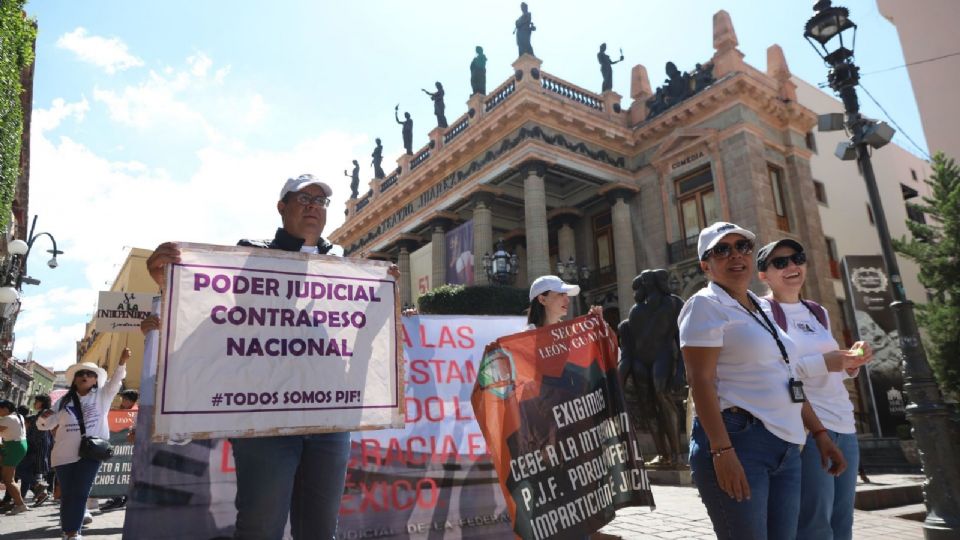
15,276
569,271
936,430
502,267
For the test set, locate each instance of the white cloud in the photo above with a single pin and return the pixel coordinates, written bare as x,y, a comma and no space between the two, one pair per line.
111,54
185,101
199,64
48,119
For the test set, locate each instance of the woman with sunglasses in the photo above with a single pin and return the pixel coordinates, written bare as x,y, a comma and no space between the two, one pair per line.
826,501
89,385
750,408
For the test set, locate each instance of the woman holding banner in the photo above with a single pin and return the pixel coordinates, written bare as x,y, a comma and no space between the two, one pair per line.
826,501
74,473
750,406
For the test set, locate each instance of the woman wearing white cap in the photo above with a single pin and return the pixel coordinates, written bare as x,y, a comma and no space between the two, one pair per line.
826,501
90,387
549,301
750,407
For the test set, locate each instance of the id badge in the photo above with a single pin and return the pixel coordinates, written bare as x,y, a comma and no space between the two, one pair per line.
797,395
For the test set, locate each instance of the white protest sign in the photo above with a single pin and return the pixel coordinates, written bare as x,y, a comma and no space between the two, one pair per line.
258,342
119,311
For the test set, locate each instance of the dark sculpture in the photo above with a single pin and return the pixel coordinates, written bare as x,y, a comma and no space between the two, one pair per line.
438,105
679,86
606,69
407,124
377,156
523,28
354,179
650,354
478,72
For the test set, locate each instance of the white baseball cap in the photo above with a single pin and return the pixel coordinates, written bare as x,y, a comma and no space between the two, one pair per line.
302,181
545,284
712,234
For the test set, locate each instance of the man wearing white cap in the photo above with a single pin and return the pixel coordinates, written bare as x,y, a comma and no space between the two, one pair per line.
297,475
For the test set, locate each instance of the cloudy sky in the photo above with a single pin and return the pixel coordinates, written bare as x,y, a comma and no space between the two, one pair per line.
179,120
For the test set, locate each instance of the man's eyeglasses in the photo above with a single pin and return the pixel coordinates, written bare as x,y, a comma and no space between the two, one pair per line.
86,373
307,200
724,250
799,259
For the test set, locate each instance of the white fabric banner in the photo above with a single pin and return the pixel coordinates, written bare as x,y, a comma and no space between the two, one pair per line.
262,342
119,311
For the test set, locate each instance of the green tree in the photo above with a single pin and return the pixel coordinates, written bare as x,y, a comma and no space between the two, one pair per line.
935,246
17,34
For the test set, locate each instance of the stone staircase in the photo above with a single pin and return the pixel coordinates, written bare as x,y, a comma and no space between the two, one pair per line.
892,495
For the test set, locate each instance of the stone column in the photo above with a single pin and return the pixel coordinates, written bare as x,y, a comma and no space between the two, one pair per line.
403,261
623,246
535,222
482,237
439,256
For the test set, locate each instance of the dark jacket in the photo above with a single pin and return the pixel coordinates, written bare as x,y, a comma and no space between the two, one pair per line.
285,241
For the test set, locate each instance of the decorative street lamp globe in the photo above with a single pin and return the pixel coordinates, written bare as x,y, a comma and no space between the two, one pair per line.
828,23
502,267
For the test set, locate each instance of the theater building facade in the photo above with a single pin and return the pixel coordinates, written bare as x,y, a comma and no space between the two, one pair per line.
559,172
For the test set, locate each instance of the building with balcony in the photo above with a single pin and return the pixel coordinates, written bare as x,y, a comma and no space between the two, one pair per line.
43,379
561,173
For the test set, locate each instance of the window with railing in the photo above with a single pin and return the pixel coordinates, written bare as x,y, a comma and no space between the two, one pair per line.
604,256
779,197
833,258
697,204
913,213
820,191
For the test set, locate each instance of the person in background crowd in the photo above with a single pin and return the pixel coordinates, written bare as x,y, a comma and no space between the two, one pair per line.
128,400
550,300
14,433
826,501
39,444
750,407
76,474
297,475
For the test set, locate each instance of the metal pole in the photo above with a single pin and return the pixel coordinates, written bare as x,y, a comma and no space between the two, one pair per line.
935,428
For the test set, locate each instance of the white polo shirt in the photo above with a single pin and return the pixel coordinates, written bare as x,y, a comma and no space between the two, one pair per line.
827,394
751,373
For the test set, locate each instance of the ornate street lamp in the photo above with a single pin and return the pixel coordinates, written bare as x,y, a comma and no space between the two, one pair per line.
935,427
569,272
15,275
502,267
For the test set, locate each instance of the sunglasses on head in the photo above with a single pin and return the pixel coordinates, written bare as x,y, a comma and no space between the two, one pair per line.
723,250
86,373
799,259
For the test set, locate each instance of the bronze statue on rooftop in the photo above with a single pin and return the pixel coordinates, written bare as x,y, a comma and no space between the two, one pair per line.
679,86
650,347
478,72
438,105
523,28
377,161
407,124
606,69
354,179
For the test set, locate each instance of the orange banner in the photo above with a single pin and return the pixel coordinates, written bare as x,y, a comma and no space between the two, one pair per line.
551,409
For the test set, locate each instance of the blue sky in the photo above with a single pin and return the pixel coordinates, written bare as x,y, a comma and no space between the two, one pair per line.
179,120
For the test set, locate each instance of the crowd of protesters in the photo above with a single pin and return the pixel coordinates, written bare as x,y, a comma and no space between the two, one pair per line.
772,450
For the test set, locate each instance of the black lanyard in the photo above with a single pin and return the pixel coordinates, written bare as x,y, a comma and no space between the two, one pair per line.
769,327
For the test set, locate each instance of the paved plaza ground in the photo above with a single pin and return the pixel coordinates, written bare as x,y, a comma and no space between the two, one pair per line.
679,514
